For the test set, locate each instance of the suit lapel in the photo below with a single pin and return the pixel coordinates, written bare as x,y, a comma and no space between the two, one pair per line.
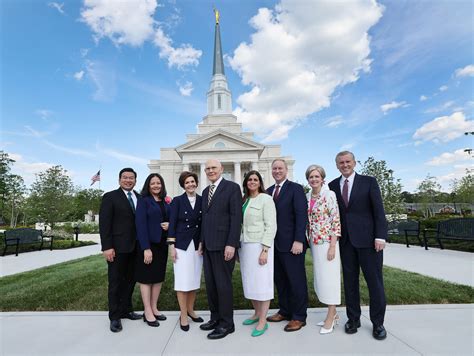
354,190
217,191
124,200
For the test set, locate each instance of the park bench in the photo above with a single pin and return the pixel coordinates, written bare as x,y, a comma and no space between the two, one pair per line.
459,229
407,228
17,237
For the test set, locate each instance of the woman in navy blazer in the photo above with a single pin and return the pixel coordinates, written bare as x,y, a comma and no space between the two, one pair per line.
151,220
183,238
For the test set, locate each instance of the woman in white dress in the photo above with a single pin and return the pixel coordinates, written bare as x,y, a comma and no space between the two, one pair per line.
323,233
183,238
256,251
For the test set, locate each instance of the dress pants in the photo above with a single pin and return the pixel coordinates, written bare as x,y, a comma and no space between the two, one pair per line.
218,275
353,259
292,288
121,284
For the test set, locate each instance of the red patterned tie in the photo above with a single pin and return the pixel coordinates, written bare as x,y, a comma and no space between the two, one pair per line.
277,192
345,192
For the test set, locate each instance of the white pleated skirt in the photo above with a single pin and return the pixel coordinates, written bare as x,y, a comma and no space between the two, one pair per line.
187,269
257,280
327,274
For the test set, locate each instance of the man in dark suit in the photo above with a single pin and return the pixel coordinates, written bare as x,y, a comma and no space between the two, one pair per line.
118,236
364,231
290,243
220,236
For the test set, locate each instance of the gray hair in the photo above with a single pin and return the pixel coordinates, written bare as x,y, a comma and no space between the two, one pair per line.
315,167
281,160
344,153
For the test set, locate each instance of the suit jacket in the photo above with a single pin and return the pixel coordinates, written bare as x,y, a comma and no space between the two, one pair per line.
363,220
148,221
259,223
185,222
117,222
292,215
222,219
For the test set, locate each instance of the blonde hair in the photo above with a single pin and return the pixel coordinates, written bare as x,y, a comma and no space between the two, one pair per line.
315,167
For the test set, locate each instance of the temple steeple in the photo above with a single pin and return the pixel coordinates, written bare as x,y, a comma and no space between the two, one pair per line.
219,98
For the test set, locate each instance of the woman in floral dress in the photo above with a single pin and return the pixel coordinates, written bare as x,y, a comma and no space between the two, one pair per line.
324,230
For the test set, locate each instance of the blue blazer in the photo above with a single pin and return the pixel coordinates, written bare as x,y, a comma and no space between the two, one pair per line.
363,220
185,222
292,215
147,220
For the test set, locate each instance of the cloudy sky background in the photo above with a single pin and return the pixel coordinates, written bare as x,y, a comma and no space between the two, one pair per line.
99,84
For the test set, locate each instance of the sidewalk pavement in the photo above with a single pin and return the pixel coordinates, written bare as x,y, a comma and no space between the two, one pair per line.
412,330
452,266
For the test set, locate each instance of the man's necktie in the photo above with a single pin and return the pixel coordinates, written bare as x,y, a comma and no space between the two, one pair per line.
211,192
277,192
345,192
130,200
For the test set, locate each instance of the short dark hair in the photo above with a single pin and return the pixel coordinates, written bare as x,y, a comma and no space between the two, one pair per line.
146,186
261,189
128,169
185,175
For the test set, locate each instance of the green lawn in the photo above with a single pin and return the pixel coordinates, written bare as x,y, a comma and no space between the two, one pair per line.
82,285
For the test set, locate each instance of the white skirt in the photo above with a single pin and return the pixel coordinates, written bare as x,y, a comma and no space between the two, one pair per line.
187,269
327,274
257,280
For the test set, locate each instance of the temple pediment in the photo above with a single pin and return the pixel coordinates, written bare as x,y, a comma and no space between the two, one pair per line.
220,140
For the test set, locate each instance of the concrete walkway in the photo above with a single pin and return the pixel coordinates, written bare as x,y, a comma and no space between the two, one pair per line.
412,330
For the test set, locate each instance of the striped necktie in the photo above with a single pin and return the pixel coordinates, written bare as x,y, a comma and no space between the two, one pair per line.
211,192
130,200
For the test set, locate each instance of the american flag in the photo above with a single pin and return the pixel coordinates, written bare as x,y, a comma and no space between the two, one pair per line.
95,178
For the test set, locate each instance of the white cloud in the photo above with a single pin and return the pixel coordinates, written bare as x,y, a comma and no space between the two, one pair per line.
183,56
27,170
325,46
104,79
458,172
123,157
84,52
467,71
186,89
44,114
57,6
123,22
444,128
423,98
393,105
440,108
334,121
79,75
443,88
449,158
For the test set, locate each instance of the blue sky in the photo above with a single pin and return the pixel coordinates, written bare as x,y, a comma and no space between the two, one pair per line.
104,84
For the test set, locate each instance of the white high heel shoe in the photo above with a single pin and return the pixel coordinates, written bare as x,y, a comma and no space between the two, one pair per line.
323,330
321,323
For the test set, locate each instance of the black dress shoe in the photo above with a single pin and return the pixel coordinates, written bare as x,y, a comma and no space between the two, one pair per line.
210,325
197,319
115,326
220,332
160,317
352,326
131,316
183,327
154,323
379,332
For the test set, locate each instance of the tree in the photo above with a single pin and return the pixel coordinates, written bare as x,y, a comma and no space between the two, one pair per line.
427,192
390,187
51,195
463,189
85,200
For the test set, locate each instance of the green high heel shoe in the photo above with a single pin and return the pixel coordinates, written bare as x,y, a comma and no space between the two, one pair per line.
256,332
249,321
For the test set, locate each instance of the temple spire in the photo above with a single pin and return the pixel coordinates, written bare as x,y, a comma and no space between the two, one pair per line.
218,67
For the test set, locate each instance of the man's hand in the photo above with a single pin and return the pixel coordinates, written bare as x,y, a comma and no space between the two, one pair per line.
379,245
229,253
109,254
297,248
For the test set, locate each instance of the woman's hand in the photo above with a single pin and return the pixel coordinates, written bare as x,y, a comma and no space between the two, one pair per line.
200,251
165,225
263,258
331,252
147,256
173,253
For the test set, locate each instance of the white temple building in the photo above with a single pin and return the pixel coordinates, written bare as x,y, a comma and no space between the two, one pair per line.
219,137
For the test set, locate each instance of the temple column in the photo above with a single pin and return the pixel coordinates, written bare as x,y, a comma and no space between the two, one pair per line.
254,166
185,167
237,173
203,177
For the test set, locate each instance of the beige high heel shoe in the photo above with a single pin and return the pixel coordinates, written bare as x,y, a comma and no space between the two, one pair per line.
324,331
